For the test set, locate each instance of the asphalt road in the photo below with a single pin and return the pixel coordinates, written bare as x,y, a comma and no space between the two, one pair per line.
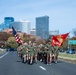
11,64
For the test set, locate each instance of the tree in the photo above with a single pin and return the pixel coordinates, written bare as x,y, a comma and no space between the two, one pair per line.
65,44
4,36
11,43
73,46
74,32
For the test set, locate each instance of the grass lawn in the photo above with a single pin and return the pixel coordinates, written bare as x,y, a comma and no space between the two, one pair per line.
67,55
1,50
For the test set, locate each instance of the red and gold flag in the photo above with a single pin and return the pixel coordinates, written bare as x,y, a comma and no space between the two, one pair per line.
59,39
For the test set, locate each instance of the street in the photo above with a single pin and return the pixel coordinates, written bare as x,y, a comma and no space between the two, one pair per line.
11,64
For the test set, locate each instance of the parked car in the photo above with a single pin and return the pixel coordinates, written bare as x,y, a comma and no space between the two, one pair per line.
61,50
70,51
11,49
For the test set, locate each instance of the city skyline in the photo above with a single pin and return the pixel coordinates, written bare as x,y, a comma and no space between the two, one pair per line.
62,13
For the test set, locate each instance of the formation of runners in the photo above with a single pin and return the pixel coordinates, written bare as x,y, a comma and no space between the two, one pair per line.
32,52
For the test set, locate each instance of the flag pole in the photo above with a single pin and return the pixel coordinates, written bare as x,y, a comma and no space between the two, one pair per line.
68,43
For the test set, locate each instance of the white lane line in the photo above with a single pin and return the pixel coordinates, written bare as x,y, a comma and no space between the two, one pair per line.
42,68
4,55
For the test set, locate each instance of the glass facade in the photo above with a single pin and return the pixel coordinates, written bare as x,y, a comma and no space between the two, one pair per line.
2,27
6,23
42,27
22,26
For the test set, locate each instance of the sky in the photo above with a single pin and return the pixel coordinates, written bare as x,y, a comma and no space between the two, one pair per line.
62,13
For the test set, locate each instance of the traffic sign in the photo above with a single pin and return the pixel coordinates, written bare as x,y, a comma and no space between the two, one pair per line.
72,42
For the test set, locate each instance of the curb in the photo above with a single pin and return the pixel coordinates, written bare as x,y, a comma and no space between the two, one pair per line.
67,58
70,60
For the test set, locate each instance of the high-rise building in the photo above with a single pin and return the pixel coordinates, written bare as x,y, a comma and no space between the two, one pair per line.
2,27
42,27
22,26
7,21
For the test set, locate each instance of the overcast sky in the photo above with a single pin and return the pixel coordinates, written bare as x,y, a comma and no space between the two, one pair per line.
62,13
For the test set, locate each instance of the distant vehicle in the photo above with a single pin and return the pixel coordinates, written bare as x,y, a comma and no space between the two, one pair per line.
70,51
61,50
11,49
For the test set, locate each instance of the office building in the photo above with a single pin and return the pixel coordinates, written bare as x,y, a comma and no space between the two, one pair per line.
54,32
2,27
33,31
6,23
42,27
22,26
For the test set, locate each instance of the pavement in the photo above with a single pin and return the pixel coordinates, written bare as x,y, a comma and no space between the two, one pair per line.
66,59
2,52
11,64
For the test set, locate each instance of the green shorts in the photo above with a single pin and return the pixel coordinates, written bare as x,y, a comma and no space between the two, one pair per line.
57,52
31,54
49,52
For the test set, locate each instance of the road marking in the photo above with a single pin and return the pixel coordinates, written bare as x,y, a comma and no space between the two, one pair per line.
4,55
42,68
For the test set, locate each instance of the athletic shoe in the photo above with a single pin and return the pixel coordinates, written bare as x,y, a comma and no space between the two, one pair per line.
55,62
47,64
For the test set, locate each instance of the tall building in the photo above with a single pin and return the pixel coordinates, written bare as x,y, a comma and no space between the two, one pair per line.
6,23
22,26
2,27
42,27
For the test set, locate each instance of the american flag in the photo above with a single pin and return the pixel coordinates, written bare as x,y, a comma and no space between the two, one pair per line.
18,39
